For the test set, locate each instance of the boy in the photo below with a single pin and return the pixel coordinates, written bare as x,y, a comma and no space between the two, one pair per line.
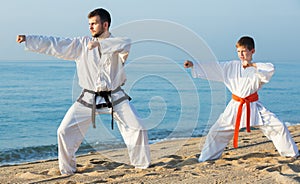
243,79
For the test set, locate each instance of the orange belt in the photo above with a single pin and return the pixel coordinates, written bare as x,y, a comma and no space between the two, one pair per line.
251,98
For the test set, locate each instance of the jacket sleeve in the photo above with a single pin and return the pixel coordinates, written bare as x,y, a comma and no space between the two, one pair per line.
63,48
265,71
114,44
208,70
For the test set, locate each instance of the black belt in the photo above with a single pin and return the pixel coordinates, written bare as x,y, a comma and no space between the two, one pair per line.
106,95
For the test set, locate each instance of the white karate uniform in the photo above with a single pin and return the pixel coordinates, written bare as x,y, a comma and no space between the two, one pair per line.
242,83
99,69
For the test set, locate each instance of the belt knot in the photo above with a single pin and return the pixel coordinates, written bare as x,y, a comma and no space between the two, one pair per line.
247,100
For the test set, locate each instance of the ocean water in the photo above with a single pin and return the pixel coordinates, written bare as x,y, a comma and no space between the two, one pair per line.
35,95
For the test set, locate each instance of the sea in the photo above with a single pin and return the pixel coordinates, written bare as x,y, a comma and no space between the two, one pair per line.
35,95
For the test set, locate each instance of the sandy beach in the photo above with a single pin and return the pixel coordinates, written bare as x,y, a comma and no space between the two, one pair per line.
255,161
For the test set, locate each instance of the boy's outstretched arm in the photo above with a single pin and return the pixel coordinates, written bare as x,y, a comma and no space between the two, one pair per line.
205,70
188,64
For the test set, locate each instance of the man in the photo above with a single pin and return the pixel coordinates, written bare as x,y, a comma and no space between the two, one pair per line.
100,68
243,79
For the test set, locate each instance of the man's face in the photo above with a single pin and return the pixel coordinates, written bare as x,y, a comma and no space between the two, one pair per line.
245,54
96,27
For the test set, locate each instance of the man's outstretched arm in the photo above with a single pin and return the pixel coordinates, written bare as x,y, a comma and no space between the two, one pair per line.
21,38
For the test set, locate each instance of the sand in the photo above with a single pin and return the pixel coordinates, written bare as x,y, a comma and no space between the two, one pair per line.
255,161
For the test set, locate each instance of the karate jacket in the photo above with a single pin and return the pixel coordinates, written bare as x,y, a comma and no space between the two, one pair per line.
97,69
240,82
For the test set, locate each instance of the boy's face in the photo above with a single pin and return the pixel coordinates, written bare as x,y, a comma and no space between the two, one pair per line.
244,53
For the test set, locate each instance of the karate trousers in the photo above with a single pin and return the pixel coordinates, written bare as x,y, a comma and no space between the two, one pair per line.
76,122
276,131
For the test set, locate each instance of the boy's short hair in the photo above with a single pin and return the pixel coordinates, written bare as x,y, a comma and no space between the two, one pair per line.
102,13
247,42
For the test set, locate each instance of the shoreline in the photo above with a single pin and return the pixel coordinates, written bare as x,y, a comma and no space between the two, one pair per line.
174,161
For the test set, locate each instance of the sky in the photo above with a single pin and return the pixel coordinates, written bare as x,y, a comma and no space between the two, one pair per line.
274,24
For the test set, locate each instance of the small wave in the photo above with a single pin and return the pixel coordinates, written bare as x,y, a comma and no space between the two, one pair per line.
47,152
287,123
16,156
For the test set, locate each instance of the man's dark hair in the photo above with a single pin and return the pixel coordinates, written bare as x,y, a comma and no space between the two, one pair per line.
102,13
247,42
